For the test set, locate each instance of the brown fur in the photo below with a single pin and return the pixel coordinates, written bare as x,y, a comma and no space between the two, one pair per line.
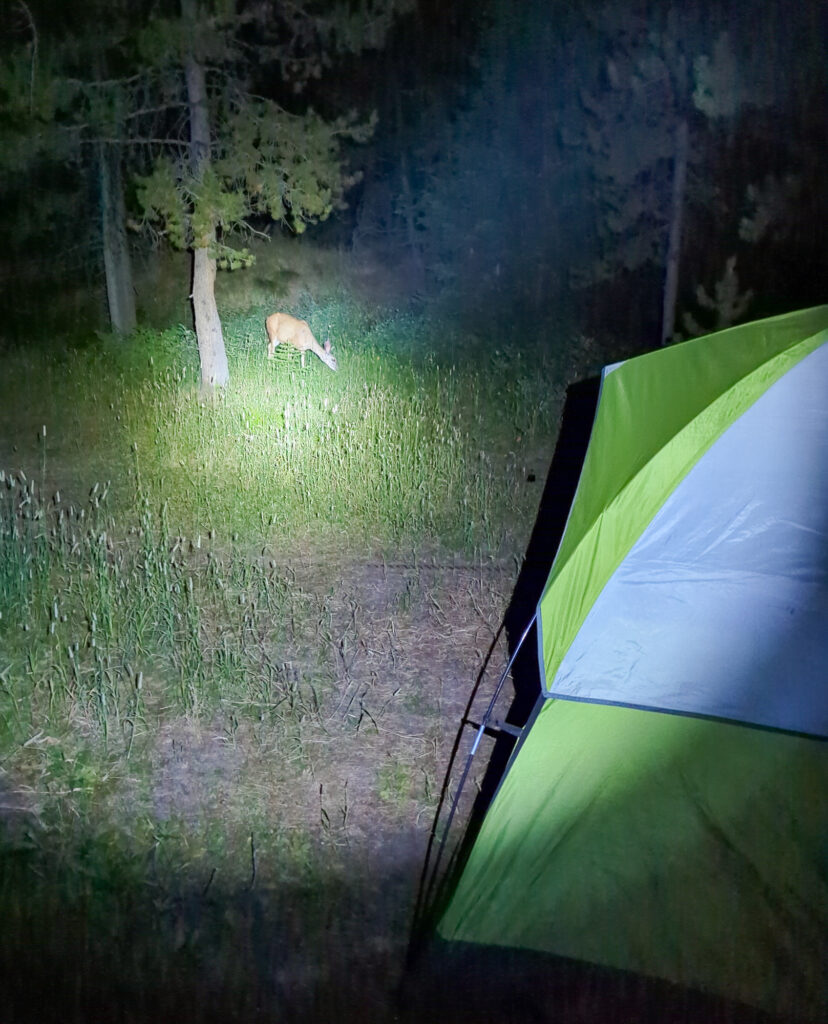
282,328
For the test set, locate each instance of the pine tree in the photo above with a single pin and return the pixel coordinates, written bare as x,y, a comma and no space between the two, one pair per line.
247,155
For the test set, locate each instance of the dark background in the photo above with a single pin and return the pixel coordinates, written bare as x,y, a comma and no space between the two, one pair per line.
515,178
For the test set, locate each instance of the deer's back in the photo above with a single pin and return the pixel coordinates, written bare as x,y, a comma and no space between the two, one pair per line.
286,329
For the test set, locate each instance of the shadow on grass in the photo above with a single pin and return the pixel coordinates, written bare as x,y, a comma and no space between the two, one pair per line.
330,948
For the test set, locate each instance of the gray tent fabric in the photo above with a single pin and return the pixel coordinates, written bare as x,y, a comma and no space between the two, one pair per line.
730,579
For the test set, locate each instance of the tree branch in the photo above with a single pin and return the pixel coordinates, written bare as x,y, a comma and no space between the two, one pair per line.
105,83
155,110
147,141
255,232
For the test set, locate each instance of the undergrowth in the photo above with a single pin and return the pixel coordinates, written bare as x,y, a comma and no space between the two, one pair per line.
99,629
190,735
423,436
397,448
162,701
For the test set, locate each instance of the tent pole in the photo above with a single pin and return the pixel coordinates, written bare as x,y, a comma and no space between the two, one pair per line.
480,730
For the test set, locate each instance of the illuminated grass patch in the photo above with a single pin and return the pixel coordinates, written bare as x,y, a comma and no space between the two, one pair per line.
396,447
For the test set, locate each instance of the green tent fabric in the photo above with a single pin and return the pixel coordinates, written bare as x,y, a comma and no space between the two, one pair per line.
666,812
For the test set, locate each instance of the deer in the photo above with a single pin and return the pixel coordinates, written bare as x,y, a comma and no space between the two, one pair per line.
284,328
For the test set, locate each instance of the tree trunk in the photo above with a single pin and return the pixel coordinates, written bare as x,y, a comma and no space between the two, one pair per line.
117,264
668,315
211,351
415,256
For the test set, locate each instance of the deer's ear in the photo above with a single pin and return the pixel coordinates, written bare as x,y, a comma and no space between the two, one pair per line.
327,344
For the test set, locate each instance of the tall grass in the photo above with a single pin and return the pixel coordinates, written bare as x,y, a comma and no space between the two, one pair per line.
398,447
423,436
163,600
144,595
111,636
143,601
100,633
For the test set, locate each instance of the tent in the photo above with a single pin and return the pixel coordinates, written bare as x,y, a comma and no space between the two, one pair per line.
665,810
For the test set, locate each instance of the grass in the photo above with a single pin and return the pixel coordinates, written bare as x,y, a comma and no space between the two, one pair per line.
231,672
393,449
396,448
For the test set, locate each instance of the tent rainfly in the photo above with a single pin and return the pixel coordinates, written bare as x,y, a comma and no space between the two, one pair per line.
665,810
